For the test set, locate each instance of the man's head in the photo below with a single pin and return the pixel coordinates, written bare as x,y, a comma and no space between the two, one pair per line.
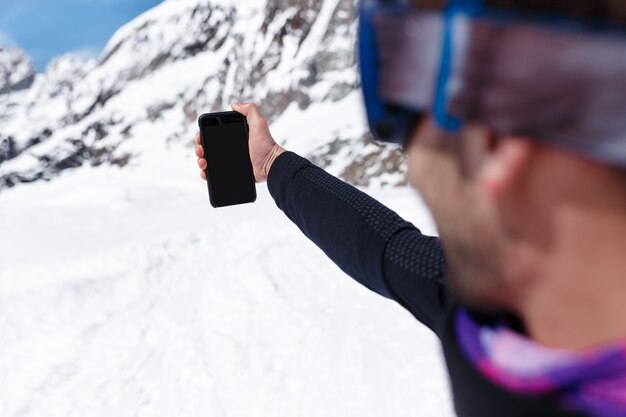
502,205
520,135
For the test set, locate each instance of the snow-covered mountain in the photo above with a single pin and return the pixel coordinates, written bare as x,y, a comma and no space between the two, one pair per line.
295,58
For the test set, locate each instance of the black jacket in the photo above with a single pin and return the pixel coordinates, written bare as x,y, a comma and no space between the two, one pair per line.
391,257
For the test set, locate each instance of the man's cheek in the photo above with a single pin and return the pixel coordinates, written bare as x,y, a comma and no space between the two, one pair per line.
415,174
418,169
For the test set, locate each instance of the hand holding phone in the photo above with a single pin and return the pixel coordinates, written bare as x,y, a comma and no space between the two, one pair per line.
263,150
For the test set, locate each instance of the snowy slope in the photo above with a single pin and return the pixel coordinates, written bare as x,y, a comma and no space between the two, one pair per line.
128,295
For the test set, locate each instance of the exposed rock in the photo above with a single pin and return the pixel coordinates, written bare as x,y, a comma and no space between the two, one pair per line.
16,70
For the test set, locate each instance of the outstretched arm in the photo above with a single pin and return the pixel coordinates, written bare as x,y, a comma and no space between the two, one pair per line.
367,240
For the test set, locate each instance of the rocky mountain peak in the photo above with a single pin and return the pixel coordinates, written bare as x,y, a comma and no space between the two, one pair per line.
16,70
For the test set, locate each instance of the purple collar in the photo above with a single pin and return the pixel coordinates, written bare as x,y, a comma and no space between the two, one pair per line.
593,382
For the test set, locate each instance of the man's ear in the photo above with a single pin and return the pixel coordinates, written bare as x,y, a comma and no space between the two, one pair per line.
504,165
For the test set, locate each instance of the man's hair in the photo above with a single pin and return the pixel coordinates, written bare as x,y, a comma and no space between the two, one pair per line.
607,10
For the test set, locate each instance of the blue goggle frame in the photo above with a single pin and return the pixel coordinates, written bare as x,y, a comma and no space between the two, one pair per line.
390,122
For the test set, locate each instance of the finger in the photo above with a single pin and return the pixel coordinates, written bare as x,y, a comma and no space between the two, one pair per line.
203,175
199,151
202,163
240,107
250,110
198,142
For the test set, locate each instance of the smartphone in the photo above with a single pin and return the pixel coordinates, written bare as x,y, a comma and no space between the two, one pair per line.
229,172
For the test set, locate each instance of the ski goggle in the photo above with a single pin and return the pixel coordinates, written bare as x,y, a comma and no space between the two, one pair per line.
552,77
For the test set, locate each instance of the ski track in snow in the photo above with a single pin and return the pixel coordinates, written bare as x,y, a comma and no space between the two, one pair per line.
128,295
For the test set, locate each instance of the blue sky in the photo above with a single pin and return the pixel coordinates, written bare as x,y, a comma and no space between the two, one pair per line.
47,28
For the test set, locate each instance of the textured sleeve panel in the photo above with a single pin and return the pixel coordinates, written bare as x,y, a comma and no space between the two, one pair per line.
367,240
415,267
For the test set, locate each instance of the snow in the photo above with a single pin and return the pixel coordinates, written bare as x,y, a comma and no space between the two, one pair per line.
319,29
122,292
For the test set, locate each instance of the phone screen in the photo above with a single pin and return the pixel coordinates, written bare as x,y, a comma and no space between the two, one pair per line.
229,170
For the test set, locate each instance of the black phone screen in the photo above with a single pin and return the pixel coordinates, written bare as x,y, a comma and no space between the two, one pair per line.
229,170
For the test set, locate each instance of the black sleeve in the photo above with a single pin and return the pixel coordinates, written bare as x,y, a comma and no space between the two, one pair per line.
367,240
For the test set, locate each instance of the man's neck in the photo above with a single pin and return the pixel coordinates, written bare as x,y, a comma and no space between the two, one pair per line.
579,302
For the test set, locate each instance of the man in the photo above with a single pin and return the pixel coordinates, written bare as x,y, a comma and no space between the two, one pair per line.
513,117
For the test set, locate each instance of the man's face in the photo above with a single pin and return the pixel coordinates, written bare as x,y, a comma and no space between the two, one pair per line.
441,170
